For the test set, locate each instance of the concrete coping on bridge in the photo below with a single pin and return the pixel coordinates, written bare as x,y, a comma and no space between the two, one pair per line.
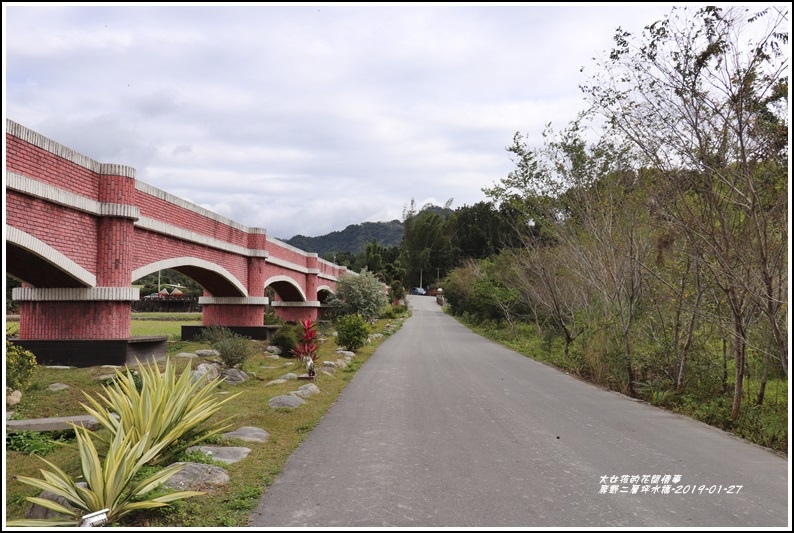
233,300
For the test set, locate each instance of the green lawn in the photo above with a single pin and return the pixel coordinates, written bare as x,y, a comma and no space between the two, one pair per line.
226,506
155,324
143,324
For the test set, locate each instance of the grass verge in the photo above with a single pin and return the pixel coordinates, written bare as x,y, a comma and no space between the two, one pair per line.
231,504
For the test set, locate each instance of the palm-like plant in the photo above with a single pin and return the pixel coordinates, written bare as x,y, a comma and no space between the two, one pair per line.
110,483
169,414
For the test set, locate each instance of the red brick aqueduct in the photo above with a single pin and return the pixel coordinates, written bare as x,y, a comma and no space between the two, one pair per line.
79,232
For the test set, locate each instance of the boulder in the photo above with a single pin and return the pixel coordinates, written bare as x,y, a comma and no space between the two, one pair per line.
39,512
209,371
311,387
13,398
248,433
234,376
287,400
196,476
224,454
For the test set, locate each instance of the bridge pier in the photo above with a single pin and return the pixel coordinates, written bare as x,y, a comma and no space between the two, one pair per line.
82,326
242,314
297,311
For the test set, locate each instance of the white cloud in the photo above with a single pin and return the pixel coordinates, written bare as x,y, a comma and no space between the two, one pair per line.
303,119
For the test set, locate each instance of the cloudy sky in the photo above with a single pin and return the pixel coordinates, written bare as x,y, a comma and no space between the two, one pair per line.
305,118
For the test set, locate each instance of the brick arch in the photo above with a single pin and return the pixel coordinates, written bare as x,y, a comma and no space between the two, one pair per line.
323,291
33,261
80,231
213,278
287,288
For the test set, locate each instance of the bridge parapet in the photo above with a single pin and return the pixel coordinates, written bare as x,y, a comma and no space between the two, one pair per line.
79,232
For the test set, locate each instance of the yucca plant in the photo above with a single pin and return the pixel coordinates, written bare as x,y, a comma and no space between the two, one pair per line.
109,483
168,411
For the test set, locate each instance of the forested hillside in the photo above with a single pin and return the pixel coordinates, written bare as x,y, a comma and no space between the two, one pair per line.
352,238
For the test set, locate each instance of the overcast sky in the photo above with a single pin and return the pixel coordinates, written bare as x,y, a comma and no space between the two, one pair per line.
304,119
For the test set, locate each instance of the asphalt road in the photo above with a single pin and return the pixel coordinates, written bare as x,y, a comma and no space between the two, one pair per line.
442,428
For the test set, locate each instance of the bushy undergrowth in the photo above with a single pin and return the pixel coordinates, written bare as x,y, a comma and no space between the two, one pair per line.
234,349
393,311
765,425
352,332
20,366
213,334
286,338
12,329
272,319
35,443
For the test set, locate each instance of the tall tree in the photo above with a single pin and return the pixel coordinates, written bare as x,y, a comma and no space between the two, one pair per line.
383,261
703,97
426,246
589,201
483,230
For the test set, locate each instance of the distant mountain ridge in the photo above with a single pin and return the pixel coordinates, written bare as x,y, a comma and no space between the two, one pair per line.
352,238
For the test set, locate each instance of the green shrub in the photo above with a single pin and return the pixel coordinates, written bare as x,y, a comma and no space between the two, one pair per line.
235,350
656,392
12,329
352,331
20,365
397,291
713,411
763,425
286,338
363,294
388,312
213,334
272,319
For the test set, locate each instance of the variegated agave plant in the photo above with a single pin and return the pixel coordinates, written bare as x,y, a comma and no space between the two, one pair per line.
168,411
109,482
